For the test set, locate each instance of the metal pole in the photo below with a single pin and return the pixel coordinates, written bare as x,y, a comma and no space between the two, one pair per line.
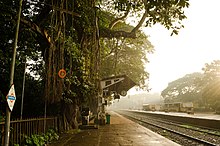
8,112
45,115
22,96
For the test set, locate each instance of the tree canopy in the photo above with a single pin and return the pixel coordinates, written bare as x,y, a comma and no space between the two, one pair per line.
83,37
211,84
184,89
200,88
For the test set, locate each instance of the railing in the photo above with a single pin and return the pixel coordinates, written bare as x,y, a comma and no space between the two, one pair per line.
20,128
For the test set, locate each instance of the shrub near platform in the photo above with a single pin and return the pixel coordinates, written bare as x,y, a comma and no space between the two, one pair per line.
40,140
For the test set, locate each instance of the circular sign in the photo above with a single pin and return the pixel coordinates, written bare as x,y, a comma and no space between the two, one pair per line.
62,73
123,93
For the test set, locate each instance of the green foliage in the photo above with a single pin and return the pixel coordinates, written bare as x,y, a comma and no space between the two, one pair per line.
51,135
203,89
80,37
167,13
126,56
36,140
27,46
184,89
211,71
81,87
211,84
40,140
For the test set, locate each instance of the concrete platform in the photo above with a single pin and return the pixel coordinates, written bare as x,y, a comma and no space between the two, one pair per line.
120,132
210,115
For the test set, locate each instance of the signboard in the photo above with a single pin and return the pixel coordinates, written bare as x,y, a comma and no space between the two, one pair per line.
62,73
111,81
11,97
118,84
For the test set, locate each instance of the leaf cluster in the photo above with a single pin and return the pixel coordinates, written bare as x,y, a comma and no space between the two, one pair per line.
125,55
184,89
168,13
40,140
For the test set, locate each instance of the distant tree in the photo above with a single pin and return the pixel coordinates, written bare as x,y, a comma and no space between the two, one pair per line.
184,89
211,84
211,71
202,88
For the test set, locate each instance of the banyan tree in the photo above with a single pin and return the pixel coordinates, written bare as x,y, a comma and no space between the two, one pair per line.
70,35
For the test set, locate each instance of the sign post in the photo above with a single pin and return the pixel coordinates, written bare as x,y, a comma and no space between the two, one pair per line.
117,85
8,112
11,98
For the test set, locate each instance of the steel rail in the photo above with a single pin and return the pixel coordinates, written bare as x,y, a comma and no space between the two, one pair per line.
172,131
199,129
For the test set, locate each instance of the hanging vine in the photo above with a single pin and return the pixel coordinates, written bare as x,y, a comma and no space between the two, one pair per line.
55,53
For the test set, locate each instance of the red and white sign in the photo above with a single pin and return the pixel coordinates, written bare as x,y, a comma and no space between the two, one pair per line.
11,97
62,73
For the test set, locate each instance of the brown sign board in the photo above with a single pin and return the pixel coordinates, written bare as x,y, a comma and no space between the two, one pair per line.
118,84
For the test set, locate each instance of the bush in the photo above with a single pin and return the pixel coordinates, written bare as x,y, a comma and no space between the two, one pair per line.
40,140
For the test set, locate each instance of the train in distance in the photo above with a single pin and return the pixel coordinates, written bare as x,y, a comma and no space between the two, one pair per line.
185,107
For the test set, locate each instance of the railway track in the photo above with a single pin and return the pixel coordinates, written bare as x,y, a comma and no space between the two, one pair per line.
182,134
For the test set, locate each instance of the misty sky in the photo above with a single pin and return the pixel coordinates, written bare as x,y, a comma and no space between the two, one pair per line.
196,44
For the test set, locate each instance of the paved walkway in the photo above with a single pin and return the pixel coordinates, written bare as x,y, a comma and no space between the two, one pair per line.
120,132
